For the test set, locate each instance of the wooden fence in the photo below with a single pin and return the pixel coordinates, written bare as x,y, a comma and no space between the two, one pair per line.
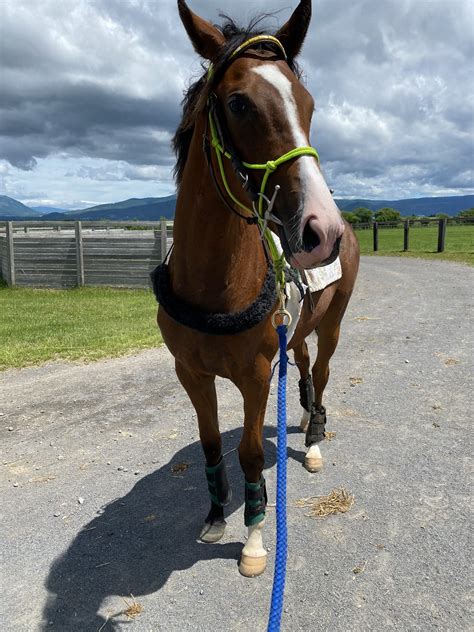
81,253
68,254
407,224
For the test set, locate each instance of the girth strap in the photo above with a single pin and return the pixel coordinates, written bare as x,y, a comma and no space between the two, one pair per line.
316,426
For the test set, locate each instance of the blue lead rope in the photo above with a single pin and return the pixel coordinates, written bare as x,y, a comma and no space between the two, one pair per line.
276,607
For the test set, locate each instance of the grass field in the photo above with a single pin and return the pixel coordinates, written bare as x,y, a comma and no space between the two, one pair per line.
423,242
85,324
79,324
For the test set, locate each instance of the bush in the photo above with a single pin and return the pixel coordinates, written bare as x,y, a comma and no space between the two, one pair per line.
364,215
387,215
350,217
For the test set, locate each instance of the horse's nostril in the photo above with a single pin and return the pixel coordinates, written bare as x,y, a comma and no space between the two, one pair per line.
310,238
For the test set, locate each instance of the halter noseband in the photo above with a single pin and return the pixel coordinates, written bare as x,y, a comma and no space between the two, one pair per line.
217,131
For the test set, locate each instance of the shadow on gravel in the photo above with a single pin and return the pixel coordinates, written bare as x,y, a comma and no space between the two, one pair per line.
137,541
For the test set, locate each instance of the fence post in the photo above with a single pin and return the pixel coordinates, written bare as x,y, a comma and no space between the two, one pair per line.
441,234
11,255
79,254
376,236
164,239
406,228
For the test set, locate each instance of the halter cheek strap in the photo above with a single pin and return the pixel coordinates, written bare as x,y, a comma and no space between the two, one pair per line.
257,214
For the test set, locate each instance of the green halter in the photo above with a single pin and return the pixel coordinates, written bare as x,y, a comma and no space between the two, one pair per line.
269,167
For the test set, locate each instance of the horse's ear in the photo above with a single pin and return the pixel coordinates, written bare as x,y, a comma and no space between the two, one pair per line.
206,38
292,34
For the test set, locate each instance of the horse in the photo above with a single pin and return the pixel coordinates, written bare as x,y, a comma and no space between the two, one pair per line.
217,292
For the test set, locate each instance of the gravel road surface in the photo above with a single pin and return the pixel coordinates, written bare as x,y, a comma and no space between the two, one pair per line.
103,489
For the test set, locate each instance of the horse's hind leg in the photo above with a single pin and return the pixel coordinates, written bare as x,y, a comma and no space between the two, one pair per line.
328,337
201,390
305,384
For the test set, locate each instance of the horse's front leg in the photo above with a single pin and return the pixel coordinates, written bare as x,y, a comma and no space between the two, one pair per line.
254,387
201,390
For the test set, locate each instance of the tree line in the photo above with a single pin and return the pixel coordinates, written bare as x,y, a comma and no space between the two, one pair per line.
364,215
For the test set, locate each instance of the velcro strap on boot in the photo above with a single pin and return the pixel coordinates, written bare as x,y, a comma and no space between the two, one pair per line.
316,426
218,485
306,392
255,502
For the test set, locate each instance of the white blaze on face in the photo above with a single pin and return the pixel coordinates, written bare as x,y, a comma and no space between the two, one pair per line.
316,201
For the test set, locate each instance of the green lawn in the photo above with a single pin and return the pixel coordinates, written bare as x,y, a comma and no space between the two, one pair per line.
78,324
37,326
459,245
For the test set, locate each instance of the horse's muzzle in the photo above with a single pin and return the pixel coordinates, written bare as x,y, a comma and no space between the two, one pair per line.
316,247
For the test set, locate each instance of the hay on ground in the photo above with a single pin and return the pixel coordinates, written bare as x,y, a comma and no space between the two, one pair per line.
133,609
338,501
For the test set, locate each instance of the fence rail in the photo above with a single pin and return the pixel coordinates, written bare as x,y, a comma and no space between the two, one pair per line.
407,224
427,221
68,254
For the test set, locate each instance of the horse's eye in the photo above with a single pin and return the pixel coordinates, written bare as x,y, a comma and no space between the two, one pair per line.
238,105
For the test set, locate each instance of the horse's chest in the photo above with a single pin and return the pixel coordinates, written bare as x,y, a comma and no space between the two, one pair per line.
216,355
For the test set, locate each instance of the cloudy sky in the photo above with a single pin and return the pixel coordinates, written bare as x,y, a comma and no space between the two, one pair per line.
90,93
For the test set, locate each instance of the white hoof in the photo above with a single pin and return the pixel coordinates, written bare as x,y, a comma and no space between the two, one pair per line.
304,421
211,533
253,560
313,461
252,566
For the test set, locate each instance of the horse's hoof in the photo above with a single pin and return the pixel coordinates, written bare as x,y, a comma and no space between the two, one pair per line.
313,461
313,465
252,566
211,533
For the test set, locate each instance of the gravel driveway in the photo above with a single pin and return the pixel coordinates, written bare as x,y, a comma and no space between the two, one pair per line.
103,488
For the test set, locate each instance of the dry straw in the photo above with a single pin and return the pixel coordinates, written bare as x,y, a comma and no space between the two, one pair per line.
133,609
338,501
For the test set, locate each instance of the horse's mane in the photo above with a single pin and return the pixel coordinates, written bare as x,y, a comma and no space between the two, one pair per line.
196,96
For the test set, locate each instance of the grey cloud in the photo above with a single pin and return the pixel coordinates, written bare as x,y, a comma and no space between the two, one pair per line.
104,79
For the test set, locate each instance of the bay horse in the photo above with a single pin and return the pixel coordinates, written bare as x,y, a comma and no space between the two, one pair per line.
217,292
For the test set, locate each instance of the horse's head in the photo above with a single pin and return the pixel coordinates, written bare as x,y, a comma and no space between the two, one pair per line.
264,112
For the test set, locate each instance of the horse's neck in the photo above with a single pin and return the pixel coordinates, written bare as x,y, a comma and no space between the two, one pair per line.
218,260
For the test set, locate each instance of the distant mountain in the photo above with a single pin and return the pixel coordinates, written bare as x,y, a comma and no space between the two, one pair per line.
48,209
12,209
416,206
153,209
144,209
